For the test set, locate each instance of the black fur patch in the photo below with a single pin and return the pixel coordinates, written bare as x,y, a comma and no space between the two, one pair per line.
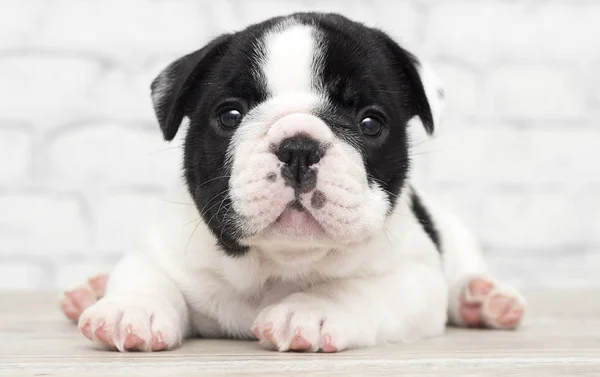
424,217
318,199
271,177
296,205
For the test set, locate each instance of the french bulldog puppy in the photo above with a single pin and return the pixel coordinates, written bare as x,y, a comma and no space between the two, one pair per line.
303,229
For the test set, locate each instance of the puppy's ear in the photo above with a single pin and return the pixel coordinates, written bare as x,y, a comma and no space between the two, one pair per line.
171,87
426,92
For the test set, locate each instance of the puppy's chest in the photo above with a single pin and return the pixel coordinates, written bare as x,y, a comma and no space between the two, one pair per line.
261,288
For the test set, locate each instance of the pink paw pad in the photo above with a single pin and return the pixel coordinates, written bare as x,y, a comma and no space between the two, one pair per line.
298,343
132,341
326,345
158,344
86,330
102,334
505,312
483,303
268,333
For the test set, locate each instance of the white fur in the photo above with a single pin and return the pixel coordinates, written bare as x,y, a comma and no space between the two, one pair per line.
290,52
371,278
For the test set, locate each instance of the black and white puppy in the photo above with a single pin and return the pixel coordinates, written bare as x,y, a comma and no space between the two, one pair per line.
304,232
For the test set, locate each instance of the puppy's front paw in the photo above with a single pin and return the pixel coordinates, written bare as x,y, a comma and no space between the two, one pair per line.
483,302
302,322
132,323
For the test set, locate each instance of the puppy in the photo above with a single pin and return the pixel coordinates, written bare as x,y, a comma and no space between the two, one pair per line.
303,230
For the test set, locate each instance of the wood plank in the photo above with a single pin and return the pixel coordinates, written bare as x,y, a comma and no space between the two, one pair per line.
561,336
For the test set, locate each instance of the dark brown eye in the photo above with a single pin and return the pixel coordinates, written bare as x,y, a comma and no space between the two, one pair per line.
370,126
230,118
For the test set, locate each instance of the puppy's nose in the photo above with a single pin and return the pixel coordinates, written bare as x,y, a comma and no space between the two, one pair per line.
298,153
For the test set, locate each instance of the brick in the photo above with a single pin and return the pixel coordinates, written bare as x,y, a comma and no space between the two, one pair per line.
454,30
259,11
462,88
528,220
120,219
514,219
563,156
15,150
460,200
22,277
94,156
509,154
125,30
568,269
43,87
588,205
41,224
123,91
592,80
534,91
542,38
400,19
477,153
18,21
484,31
124,94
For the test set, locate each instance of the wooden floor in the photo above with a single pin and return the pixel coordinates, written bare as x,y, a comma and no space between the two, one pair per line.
561,337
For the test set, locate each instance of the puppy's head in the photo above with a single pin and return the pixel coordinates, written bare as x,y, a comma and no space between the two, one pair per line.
297,130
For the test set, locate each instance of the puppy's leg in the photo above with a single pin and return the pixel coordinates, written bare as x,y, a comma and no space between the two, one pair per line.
476,299
142,309
404,306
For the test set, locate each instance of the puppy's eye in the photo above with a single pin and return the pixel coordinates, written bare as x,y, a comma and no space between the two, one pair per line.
370,126
230,118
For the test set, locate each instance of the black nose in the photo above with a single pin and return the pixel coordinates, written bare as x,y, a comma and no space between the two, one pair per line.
298,153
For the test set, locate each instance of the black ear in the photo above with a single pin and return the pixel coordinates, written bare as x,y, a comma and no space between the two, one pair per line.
426,93
170,88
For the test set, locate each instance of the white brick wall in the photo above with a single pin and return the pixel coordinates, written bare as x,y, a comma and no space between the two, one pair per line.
82,163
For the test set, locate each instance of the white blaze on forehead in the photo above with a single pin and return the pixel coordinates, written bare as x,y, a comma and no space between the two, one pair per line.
288,63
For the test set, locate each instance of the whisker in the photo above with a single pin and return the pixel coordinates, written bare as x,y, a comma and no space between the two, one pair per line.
388,239
218,209
178,146
384,190
208,181
208,209
173,202
190,239
225,221
213,179
421,142
191,221
213,198
429,152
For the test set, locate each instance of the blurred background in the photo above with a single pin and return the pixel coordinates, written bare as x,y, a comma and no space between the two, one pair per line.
82,162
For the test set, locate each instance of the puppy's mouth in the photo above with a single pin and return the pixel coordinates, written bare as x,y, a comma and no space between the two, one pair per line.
296,221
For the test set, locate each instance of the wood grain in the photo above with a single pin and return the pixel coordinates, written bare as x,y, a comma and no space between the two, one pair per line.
561,336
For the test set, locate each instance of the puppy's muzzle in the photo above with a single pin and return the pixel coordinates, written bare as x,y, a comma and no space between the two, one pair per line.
299,154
